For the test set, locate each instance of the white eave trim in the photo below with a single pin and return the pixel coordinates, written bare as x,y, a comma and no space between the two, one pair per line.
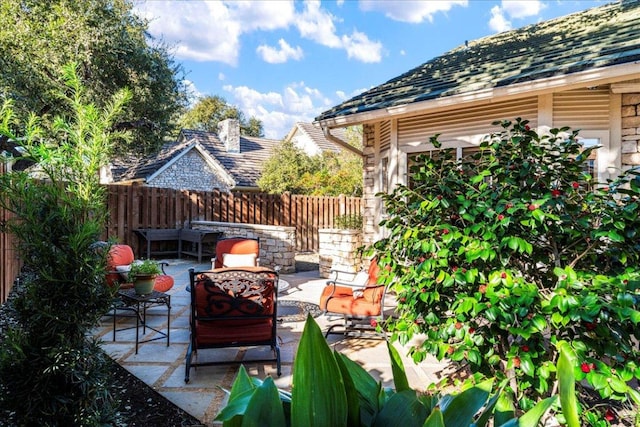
593,77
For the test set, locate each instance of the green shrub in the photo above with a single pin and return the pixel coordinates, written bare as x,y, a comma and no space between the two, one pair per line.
349,222
497,257
331,390
50,372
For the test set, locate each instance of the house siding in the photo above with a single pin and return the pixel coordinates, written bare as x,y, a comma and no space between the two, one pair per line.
192,172
592,111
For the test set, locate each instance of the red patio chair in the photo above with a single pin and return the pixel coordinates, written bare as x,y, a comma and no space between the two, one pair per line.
233,307
358,301
236,252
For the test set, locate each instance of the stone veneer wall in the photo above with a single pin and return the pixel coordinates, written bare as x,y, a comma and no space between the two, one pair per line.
277,244
338,250
630,130
181,175
371,202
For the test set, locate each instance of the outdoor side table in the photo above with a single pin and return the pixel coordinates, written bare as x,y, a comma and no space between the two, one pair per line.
139,304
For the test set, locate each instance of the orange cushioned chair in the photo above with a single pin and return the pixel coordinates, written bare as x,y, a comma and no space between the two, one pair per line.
236,252
119,260
358,301
232,307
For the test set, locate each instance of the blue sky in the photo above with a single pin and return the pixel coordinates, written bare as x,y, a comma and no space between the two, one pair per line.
284,62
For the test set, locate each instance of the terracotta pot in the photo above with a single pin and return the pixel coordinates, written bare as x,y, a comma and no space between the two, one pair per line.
143,284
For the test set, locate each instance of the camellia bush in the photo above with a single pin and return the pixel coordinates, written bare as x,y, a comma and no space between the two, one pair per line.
498,256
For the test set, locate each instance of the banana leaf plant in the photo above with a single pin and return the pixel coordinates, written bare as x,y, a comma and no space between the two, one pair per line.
331,390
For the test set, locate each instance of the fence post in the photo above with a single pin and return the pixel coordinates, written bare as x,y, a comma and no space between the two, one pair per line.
343,204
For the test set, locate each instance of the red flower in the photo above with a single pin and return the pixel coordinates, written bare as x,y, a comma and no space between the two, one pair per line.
516,362
525,348
482,289
609,415
403,299
575,185
556,193
503,275
508,205
590,326
527,128
585,367
373,323
500,217
458,325
471,330
450,350
445,231
532,207
454,268
439,197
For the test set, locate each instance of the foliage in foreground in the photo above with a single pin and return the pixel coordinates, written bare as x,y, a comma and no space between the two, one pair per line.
499,256
50,373
331,390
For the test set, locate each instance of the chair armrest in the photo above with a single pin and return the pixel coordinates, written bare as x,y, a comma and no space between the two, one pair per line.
162,265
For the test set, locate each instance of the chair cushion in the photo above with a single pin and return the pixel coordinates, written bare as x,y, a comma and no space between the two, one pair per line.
238,260
342,301
232,332
119,255
163,283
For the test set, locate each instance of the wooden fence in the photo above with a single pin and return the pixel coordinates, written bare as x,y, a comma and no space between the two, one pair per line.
9,262
134,207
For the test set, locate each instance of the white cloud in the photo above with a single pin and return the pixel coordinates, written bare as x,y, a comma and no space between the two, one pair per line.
514,9
192,91
317,24
518,9
413,11
222,77
211,30
279,111
358,46
498,22
274,55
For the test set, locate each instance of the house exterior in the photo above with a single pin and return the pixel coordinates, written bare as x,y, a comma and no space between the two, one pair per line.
312,140
202,161
581,71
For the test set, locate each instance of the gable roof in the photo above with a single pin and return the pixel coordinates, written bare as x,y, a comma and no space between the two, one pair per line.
243,168
315,135
594,39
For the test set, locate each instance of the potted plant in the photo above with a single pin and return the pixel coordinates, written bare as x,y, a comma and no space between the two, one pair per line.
143,274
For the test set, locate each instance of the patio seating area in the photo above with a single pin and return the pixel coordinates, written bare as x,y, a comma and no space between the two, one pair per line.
163,367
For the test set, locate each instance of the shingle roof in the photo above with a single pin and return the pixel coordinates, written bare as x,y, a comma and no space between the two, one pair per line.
245,167
317,136
599,37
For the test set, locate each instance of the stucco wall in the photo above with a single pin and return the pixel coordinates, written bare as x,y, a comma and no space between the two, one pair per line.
630,130
189,172
277,244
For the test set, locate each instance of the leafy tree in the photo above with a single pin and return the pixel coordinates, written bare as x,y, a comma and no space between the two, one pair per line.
499,256
327,174
112,48
208,111
282,171
50,372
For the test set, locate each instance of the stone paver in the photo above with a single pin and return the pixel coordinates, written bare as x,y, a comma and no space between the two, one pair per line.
163,367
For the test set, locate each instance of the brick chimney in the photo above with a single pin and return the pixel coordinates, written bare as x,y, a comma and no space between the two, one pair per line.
229,134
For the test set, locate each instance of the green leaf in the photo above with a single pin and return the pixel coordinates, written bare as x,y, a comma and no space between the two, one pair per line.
505,410
435,419
532,417
459,411
567,385
265,407
318,397
403,409
352,391
399,376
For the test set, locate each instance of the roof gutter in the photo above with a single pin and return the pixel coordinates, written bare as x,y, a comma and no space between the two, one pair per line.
591,77
327,134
